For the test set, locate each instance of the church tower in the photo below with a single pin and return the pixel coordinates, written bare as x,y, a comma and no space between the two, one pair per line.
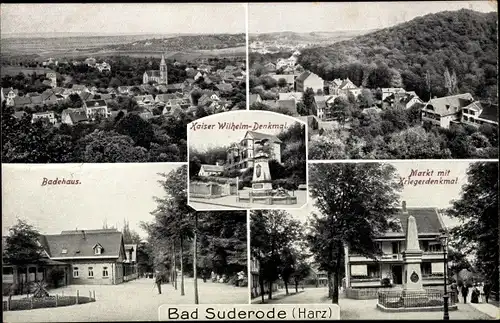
163,71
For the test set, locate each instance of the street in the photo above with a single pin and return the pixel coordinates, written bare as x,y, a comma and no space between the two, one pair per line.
137,300
352,309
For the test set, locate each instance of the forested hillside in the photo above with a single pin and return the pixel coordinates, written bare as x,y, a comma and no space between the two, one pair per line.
463,42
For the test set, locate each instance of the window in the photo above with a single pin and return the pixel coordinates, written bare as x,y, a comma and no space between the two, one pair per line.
97,250
105,272
40,270
32,270
426,268
7,271
91,272
64,251
76,273
373,270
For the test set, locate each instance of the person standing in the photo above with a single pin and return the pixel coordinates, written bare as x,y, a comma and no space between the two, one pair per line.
487,291
454,290
465,292
158,281
475,295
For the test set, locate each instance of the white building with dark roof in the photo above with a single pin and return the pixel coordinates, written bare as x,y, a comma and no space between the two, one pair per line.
241,155
443,111
364,272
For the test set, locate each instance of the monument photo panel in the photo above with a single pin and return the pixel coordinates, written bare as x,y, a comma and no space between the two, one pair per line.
385,240
247,160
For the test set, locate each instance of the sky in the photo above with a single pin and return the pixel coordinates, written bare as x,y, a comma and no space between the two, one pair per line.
201,139
439,196
108,192
342,16
123,18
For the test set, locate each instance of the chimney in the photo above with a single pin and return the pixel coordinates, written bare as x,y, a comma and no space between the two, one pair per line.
84,235
403,207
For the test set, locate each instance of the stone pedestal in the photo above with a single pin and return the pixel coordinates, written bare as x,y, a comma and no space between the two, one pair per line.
261,181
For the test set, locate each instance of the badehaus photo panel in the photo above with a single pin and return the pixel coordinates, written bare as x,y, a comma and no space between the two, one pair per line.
88,244
405,80
384,241
111,82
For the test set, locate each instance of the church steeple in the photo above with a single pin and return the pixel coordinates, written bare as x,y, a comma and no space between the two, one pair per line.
163,70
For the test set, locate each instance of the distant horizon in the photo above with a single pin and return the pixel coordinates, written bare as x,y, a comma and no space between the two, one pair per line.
104,34
301,17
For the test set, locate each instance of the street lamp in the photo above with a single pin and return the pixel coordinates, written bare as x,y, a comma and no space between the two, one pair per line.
443,238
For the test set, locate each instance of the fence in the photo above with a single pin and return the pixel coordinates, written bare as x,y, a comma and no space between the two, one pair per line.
31,302
429,298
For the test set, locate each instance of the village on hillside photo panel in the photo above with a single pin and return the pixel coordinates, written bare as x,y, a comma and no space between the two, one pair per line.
403,80
120,83
75,237
247,160
385,241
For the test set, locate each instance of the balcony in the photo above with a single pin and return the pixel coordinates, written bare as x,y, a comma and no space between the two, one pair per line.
383,258
432,255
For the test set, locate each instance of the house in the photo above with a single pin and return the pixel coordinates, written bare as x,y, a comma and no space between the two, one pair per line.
197,76
317,277
442,111
343,88
176,87
255,279
210,170
204,68
254,98
130,270
224,87
270,67
309,80
404,100
162,98
8,95
90,61
96,107
21,101
144,99
297,96
95,256
391,91
79,89
46,115
103,67
73,116
477,114
124,90
240,155
364,272
321,107
158,76
37,271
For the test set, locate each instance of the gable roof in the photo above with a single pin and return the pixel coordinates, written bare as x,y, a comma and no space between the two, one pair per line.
212,168
81,243
302,77
260,136
95,103
428,221
449,104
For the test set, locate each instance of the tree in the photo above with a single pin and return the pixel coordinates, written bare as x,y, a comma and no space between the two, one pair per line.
22,247
308,100
302,270
355,203
477,211
272,232
130,236
282,82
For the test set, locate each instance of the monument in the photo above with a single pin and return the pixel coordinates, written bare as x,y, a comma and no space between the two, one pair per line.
261,181
412,258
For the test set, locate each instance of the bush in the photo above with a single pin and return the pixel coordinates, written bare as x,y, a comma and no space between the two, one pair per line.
386,282
25,303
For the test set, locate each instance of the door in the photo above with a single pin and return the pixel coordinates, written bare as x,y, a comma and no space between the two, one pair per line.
397,274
